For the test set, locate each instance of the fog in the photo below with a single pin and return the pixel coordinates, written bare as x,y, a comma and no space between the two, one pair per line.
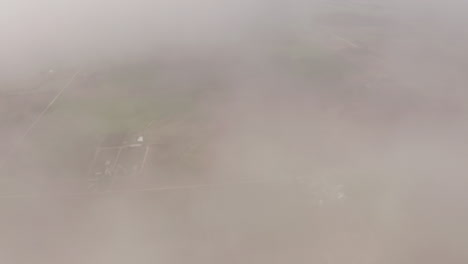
183,131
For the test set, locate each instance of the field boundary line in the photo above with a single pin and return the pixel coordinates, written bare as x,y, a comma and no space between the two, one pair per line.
39,117
140,190
56,97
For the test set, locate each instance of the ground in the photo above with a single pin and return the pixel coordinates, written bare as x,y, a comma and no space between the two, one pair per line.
240,162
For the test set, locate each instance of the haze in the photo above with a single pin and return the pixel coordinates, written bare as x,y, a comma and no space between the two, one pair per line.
258,131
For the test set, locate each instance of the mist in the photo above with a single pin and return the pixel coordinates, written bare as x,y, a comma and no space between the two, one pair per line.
325,131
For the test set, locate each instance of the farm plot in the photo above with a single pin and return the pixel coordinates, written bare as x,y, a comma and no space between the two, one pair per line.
116,167
21,108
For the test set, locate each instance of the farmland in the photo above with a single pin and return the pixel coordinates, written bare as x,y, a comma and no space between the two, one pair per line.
302,145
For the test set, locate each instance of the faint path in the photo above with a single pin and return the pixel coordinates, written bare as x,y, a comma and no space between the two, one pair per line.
39,117
148,190
57,96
